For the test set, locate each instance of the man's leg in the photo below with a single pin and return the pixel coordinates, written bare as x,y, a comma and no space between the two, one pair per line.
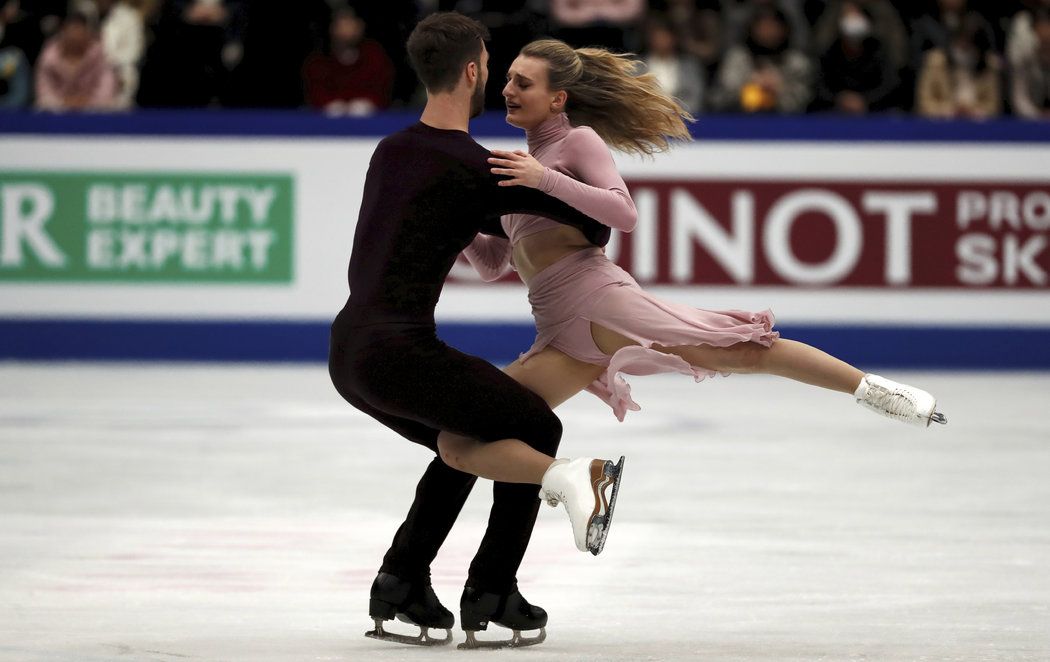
511,520
555,377
440,496
402,587
432,384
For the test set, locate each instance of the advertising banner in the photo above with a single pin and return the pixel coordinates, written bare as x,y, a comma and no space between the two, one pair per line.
876,243
822,234
146,227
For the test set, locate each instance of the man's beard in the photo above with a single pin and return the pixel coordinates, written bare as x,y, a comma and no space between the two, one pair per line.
477,100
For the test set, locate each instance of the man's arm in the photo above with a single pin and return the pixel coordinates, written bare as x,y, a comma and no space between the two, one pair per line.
501,200
497,201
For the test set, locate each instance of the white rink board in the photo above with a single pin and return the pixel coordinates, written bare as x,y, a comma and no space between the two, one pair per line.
329,173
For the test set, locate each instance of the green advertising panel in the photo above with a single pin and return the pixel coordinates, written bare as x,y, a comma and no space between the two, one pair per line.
146,227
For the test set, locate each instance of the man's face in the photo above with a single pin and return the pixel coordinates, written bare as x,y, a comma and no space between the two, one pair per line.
477,100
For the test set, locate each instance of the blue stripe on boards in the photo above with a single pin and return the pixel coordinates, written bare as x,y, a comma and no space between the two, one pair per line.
917,347
250,124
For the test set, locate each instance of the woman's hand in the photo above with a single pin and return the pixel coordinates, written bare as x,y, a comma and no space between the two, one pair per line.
522,168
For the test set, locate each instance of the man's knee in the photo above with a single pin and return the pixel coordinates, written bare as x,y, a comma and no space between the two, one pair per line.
547,433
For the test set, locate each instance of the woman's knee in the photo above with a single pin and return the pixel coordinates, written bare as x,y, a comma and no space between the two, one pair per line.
453,451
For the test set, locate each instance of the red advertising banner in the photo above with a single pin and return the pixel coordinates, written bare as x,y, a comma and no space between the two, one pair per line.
821,234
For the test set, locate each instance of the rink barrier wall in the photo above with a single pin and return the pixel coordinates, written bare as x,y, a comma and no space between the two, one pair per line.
867,319
905,347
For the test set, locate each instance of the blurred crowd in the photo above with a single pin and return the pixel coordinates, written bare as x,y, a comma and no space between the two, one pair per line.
934,58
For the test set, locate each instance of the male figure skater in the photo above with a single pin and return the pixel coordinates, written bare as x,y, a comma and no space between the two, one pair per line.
428,192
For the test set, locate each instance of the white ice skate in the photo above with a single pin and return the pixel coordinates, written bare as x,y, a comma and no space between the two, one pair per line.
898,401
582,485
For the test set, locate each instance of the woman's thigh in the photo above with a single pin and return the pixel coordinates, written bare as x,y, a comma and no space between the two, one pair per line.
741,357
554,375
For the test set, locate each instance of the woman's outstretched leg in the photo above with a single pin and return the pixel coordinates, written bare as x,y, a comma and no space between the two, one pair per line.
800,362
785,358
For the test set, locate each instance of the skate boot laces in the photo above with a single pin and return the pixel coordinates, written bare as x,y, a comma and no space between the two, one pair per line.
896,403
899,401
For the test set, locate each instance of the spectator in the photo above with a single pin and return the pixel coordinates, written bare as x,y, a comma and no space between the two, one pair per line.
609,23
48,13
679,73
277,38
698,26
390,22
962,80
1021,39
765,74
737,15
856,75
21,30
353,75
886,27
511,25
1030,82
14,79
123,38
72,72
936,30
195,45
813,10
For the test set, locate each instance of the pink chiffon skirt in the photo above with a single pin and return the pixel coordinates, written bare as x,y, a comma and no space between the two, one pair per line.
587,287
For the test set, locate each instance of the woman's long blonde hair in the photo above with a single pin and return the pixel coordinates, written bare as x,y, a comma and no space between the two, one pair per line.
605,92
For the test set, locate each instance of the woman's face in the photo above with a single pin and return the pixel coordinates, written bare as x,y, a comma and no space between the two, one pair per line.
529,100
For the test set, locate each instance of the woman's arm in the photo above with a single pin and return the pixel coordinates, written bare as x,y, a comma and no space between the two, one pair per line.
489,256
600,191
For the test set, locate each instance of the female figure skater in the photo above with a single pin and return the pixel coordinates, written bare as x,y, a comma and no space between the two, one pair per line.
593,320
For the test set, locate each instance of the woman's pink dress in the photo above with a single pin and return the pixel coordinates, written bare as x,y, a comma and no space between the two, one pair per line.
586,286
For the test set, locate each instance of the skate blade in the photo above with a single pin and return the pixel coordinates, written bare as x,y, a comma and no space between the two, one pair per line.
599,527
938,417
516,641
421,639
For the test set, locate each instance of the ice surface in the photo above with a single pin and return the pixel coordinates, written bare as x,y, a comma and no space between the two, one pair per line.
240,513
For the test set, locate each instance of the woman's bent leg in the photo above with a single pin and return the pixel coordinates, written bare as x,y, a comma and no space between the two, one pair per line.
802,363
550,374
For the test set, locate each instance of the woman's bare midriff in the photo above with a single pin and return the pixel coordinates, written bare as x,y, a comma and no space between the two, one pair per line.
536,252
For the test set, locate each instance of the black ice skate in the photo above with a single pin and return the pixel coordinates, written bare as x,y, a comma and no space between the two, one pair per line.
512,611
409,602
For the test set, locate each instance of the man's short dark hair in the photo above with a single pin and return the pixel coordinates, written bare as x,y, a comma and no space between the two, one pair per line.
441,45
